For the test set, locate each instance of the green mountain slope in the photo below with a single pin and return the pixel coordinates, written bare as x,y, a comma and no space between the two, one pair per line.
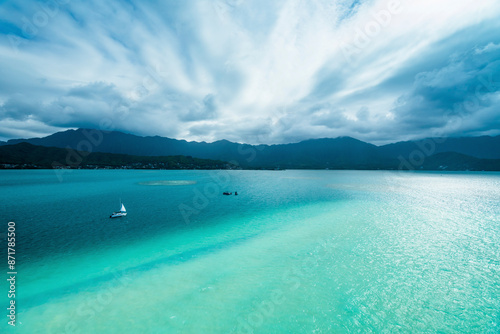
25,155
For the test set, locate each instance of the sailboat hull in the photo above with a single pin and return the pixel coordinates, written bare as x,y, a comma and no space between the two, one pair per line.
118,215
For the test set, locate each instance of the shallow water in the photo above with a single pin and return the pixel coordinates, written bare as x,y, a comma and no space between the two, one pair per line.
294,252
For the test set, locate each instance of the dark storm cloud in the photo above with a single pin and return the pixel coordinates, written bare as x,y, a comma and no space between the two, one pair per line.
466,88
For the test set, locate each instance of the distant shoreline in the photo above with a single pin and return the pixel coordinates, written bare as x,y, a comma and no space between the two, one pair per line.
28,156
3,167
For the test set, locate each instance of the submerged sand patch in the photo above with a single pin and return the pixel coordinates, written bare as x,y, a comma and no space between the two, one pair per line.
168,183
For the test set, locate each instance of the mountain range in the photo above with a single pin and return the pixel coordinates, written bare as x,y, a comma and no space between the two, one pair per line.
28,156
464,153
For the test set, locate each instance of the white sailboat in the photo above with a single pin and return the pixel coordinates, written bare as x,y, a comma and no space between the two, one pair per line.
121,213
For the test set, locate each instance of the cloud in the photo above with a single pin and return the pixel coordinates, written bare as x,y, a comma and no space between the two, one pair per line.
206,109
465,90
251,71
488,48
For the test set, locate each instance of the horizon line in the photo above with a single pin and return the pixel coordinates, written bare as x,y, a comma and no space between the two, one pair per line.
259,144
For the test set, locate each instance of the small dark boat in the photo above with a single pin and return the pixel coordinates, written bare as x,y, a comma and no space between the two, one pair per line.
226,193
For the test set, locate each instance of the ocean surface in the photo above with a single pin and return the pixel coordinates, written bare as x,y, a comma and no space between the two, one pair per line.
294,252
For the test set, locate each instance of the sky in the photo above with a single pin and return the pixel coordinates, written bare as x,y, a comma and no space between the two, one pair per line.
251,71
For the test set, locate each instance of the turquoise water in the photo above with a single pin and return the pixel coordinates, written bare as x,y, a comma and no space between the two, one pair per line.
294,252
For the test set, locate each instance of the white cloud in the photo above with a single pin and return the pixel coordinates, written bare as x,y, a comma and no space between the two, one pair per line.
209,70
